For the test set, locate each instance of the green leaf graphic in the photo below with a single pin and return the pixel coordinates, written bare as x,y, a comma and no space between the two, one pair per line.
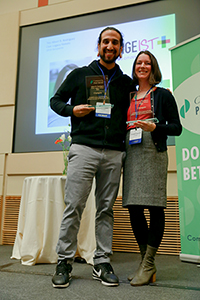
187,105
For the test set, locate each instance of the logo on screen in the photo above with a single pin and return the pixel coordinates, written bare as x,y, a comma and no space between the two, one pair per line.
163,42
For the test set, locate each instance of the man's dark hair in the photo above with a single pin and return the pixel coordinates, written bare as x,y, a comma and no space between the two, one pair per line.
115,29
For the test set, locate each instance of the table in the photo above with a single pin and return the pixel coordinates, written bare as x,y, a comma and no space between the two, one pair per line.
40,215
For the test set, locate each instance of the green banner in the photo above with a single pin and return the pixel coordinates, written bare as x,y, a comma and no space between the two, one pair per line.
186,84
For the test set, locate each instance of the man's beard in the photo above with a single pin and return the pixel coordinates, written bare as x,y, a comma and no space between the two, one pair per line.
108,61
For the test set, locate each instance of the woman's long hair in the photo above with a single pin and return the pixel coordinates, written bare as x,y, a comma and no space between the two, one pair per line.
155,76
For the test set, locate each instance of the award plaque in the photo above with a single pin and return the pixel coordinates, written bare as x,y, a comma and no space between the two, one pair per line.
141,109
96,92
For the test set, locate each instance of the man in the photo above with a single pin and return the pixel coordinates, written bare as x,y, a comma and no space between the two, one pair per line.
96,151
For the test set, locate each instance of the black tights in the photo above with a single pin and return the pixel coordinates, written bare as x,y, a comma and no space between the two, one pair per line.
144,235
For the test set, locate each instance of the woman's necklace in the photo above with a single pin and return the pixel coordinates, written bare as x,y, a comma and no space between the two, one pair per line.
145,89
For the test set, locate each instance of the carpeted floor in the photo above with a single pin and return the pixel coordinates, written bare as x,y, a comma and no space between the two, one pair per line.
175,280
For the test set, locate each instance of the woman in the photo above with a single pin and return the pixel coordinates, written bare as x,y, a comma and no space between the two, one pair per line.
145,169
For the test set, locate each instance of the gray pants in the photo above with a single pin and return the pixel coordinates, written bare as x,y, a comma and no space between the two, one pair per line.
85,163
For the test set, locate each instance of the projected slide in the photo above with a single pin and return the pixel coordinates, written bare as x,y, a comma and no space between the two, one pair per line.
58,55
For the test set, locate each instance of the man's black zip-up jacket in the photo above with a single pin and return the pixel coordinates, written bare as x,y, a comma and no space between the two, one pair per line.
90,130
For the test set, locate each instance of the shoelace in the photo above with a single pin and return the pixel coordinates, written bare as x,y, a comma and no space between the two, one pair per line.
108,268
62,268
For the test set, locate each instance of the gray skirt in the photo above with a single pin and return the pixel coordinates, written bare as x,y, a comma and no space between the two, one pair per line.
144,174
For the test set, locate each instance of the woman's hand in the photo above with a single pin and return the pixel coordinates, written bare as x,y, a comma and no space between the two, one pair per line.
82,110
146,126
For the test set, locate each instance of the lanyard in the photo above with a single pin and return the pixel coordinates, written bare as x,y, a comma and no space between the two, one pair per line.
137,108
104,80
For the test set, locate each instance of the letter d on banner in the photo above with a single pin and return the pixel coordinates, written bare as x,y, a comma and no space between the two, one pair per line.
185,154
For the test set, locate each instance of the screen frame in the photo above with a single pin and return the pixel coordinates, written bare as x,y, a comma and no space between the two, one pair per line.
133,12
